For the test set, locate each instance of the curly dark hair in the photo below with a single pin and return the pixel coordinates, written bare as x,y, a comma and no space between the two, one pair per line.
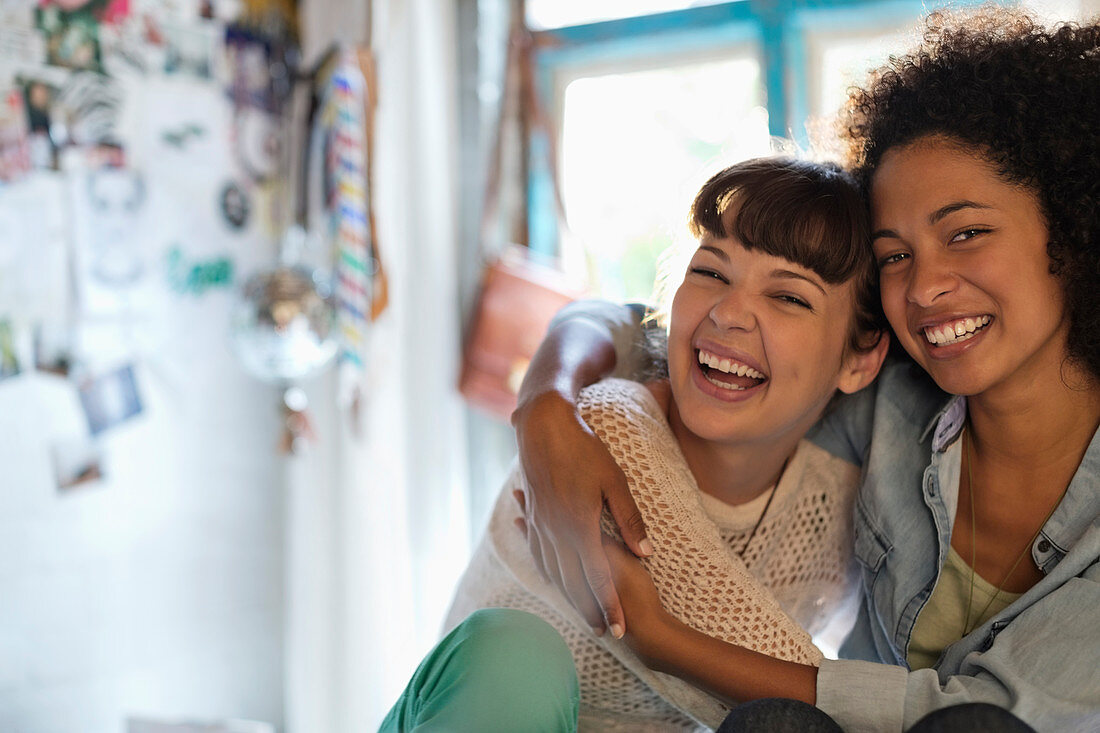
1026,98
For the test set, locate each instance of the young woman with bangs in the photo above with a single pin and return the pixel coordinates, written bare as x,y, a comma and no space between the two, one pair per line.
776,313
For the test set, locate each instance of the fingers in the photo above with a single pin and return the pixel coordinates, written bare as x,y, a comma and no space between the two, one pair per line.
628,518
561,569
576,589
597,573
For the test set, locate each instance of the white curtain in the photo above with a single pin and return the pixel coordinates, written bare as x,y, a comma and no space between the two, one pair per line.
377,523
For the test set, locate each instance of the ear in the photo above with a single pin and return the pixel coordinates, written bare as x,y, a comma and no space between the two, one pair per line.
861,367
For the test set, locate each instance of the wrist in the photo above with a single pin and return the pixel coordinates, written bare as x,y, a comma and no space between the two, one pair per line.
658,648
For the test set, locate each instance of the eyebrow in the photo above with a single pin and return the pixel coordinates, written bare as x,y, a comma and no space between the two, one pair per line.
716,251
792,275
935,217
785,274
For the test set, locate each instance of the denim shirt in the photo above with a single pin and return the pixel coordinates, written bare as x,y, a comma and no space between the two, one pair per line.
1039,657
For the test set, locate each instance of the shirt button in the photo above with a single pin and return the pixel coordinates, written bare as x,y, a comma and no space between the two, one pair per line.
1044,546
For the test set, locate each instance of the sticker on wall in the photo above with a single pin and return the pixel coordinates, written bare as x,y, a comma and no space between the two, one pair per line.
15,150
71,29
39,94
86,110
54,349
197,277
9,357
234,205
110,399
116,196
259,88
112,251
35,281
77,463
181,136
20,43
192,48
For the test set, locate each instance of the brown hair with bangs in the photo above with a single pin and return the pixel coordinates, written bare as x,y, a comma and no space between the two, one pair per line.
812,214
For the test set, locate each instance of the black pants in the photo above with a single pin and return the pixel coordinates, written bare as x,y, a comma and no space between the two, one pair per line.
778,715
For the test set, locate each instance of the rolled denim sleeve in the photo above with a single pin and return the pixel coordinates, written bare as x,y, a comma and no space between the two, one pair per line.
862,696
1042,667
624,322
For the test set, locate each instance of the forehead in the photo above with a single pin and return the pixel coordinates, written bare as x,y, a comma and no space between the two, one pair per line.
758,262
928,174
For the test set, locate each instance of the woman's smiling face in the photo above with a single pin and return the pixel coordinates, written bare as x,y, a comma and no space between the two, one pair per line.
757,343
964,270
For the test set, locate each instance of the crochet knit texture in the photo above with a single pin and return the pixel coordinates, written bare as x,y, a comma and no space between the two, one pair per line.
800,559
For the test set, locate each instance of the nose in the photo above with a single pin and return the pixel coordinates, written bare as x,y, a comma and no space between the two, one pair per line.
930,278
734,311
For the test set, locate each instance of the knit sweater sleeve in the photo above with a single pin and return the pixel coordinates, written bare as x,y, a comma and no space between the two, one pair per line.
699,578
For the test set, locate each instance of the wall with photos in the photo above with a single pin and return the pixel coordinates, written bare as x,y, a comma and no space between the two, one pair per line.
141,521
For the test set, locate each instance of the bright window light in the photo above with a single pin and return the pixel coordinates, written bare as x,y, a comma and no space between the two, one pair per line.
635,148
543,14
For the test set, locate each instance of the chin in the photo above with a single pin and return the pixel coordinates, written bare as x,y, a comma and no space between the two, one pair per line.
957,383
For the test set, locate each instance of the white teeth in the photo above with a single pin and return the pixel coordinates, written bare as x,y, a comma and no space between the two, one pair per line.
962,330
728,366
723,385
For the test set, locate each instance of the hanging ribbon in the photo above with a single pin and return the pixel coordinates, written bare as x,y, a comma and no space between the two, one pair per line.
359,285
344,115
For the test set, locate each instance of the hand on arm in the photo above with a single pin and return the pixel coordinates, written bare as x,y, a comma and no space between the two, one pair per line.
667,645
570,474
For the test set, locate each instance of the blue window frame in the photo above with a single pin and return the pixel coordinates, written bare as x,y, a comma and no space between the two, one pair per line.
779,32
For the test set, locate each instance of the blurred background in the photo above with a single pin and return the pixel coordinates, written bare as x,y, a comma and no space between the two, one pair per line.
250,250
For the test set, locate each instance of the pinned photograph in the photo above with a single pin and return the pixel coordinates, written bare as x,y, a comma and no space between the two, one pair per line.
72,33
76,462
191,49
39,96
15,155
53,349
110,399
9,358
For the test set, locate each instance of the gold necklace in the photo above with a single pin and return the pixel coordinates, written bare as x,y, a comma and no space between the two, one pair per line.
967,628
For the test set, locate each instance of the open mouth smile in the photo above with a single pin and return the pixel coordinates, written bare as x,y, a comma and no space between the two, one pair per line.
954,332
728,373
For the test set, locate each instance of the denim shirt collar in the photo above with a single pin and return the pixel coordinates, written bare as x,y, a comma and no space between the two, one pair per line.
1077,510
947,424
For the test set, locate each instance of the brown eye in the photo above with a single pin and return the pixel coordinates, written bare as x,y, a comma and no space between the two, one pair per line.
966,234
891,259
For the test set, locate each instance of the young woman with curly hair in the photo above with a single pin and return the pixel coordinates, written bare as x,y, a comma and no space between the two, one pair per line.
978,522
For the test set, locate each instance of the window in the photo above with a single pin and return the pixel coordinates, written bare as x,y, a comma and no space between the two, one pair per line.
647,105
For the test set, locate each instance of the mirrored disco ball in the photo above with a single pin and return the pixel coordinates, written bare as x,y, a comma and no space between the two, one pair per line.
283,326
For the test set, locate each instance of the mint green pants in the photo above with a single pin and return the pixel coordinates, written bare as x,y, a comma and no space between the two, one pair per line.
499,671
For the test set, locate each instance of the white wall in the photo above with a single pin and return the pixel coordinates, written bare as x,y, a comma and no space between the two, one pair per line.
159,589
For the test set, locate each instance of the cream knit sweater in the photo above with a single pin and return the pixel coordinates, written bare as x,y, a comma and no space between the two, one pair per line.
800,562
